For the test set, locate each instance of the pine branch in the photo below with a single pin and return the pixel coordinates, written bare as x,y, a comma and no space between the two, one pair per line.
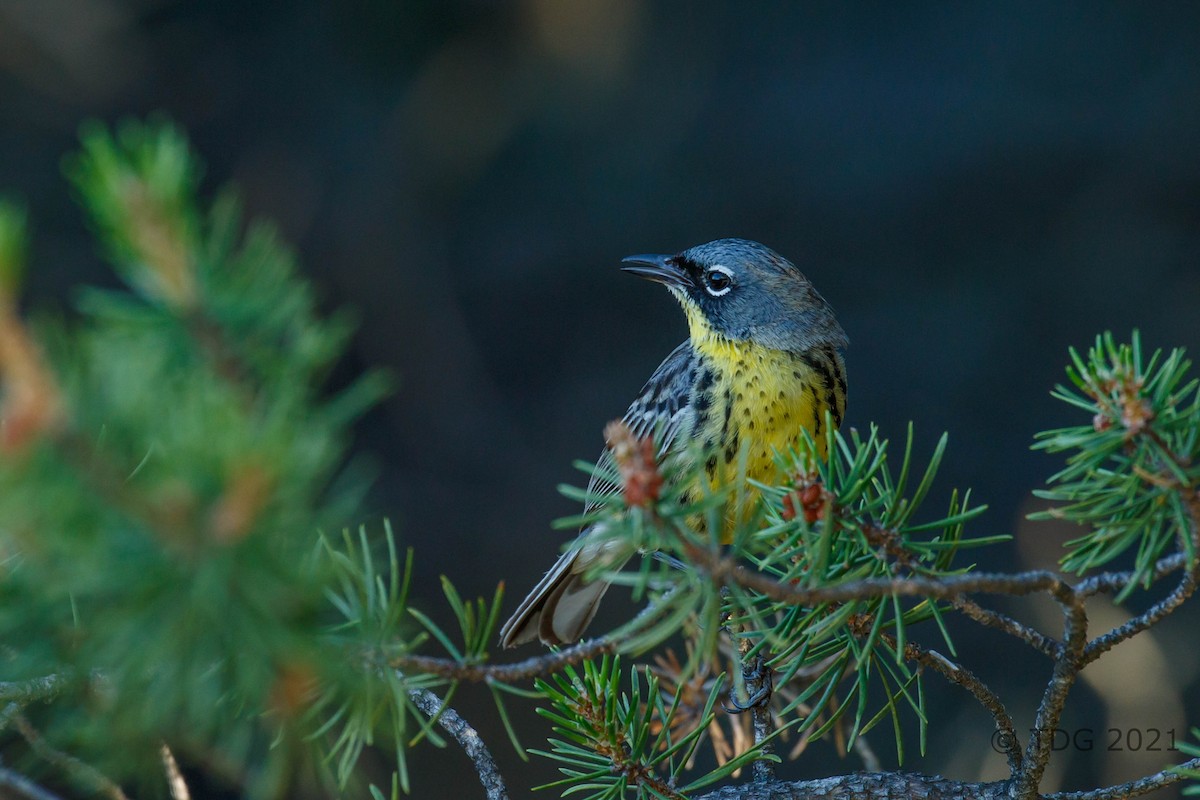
727,571
467,737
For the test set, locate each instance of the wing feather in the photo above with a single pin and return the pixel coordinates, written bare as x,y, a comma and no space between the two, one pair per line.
662,409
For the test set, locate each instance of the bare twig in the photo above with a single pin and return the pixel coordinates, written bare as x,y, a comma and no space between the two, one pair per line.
25,692
82,771
903,786
1062,678
8,713
467,737
757,680
760,716
864,786
534,667
17,782
961,676
1152,616
1001,622
1134,788
1112,582
1163,608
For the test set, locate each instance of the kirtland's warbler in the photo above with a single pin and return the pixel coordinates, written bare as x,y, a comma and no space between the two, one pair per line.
761,361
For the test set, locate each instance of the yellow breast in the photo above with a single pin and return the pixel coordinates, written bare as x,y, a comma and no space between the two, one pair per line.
760,399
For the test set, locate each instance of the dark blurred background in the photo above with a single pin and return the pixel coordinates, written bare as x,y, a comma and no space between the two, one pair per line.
974,186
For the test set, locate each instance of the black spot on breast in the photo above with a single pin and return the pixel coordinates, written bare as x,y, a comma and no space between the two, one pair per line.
731,448
728,413
710,466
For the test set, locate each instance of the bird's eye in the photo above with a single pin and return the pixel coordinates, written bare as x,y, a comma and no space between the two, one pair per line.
717,282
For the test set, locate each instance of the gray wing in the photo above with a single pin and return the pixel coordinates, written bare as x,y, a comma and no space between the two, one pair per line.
662,409
562,604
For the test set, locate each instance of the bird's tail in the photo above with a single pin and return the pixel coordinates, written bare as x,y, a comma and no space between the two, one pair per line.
561,606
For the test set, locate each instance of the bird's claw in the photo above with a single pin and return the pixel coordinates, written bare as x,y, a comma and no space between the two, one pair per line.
757,700
760,698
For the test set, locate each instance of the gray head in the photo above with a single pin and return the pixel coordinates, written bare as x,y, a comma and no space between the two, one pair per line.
745,291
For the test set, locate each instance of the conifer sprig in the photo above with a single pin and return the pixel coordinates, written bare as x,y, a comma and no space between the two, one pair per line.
178,451
1131,470
614,743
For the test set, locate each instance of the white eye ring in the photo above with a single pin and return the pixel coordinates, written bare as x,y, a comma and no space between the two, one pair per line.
725,284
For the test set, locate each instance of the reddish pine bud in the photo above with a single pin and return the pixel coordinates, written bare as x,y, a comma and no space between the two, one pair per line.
789,507
640,479
30,406
810,499
295,688
245,497
1136,414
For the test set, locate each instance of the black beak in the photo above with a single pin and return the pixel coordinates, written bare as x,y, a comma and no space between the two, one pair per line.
660,269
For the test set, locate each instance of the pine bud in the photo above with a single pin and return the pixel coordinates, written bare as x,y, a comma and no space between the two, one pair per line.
640,479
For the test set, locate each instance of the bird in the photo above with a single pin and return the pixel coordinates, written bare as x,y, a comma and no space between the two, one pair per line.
762,361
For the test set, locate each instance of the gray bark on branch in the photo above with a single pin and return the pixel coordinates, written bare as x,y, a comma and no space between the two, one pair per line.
467,737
